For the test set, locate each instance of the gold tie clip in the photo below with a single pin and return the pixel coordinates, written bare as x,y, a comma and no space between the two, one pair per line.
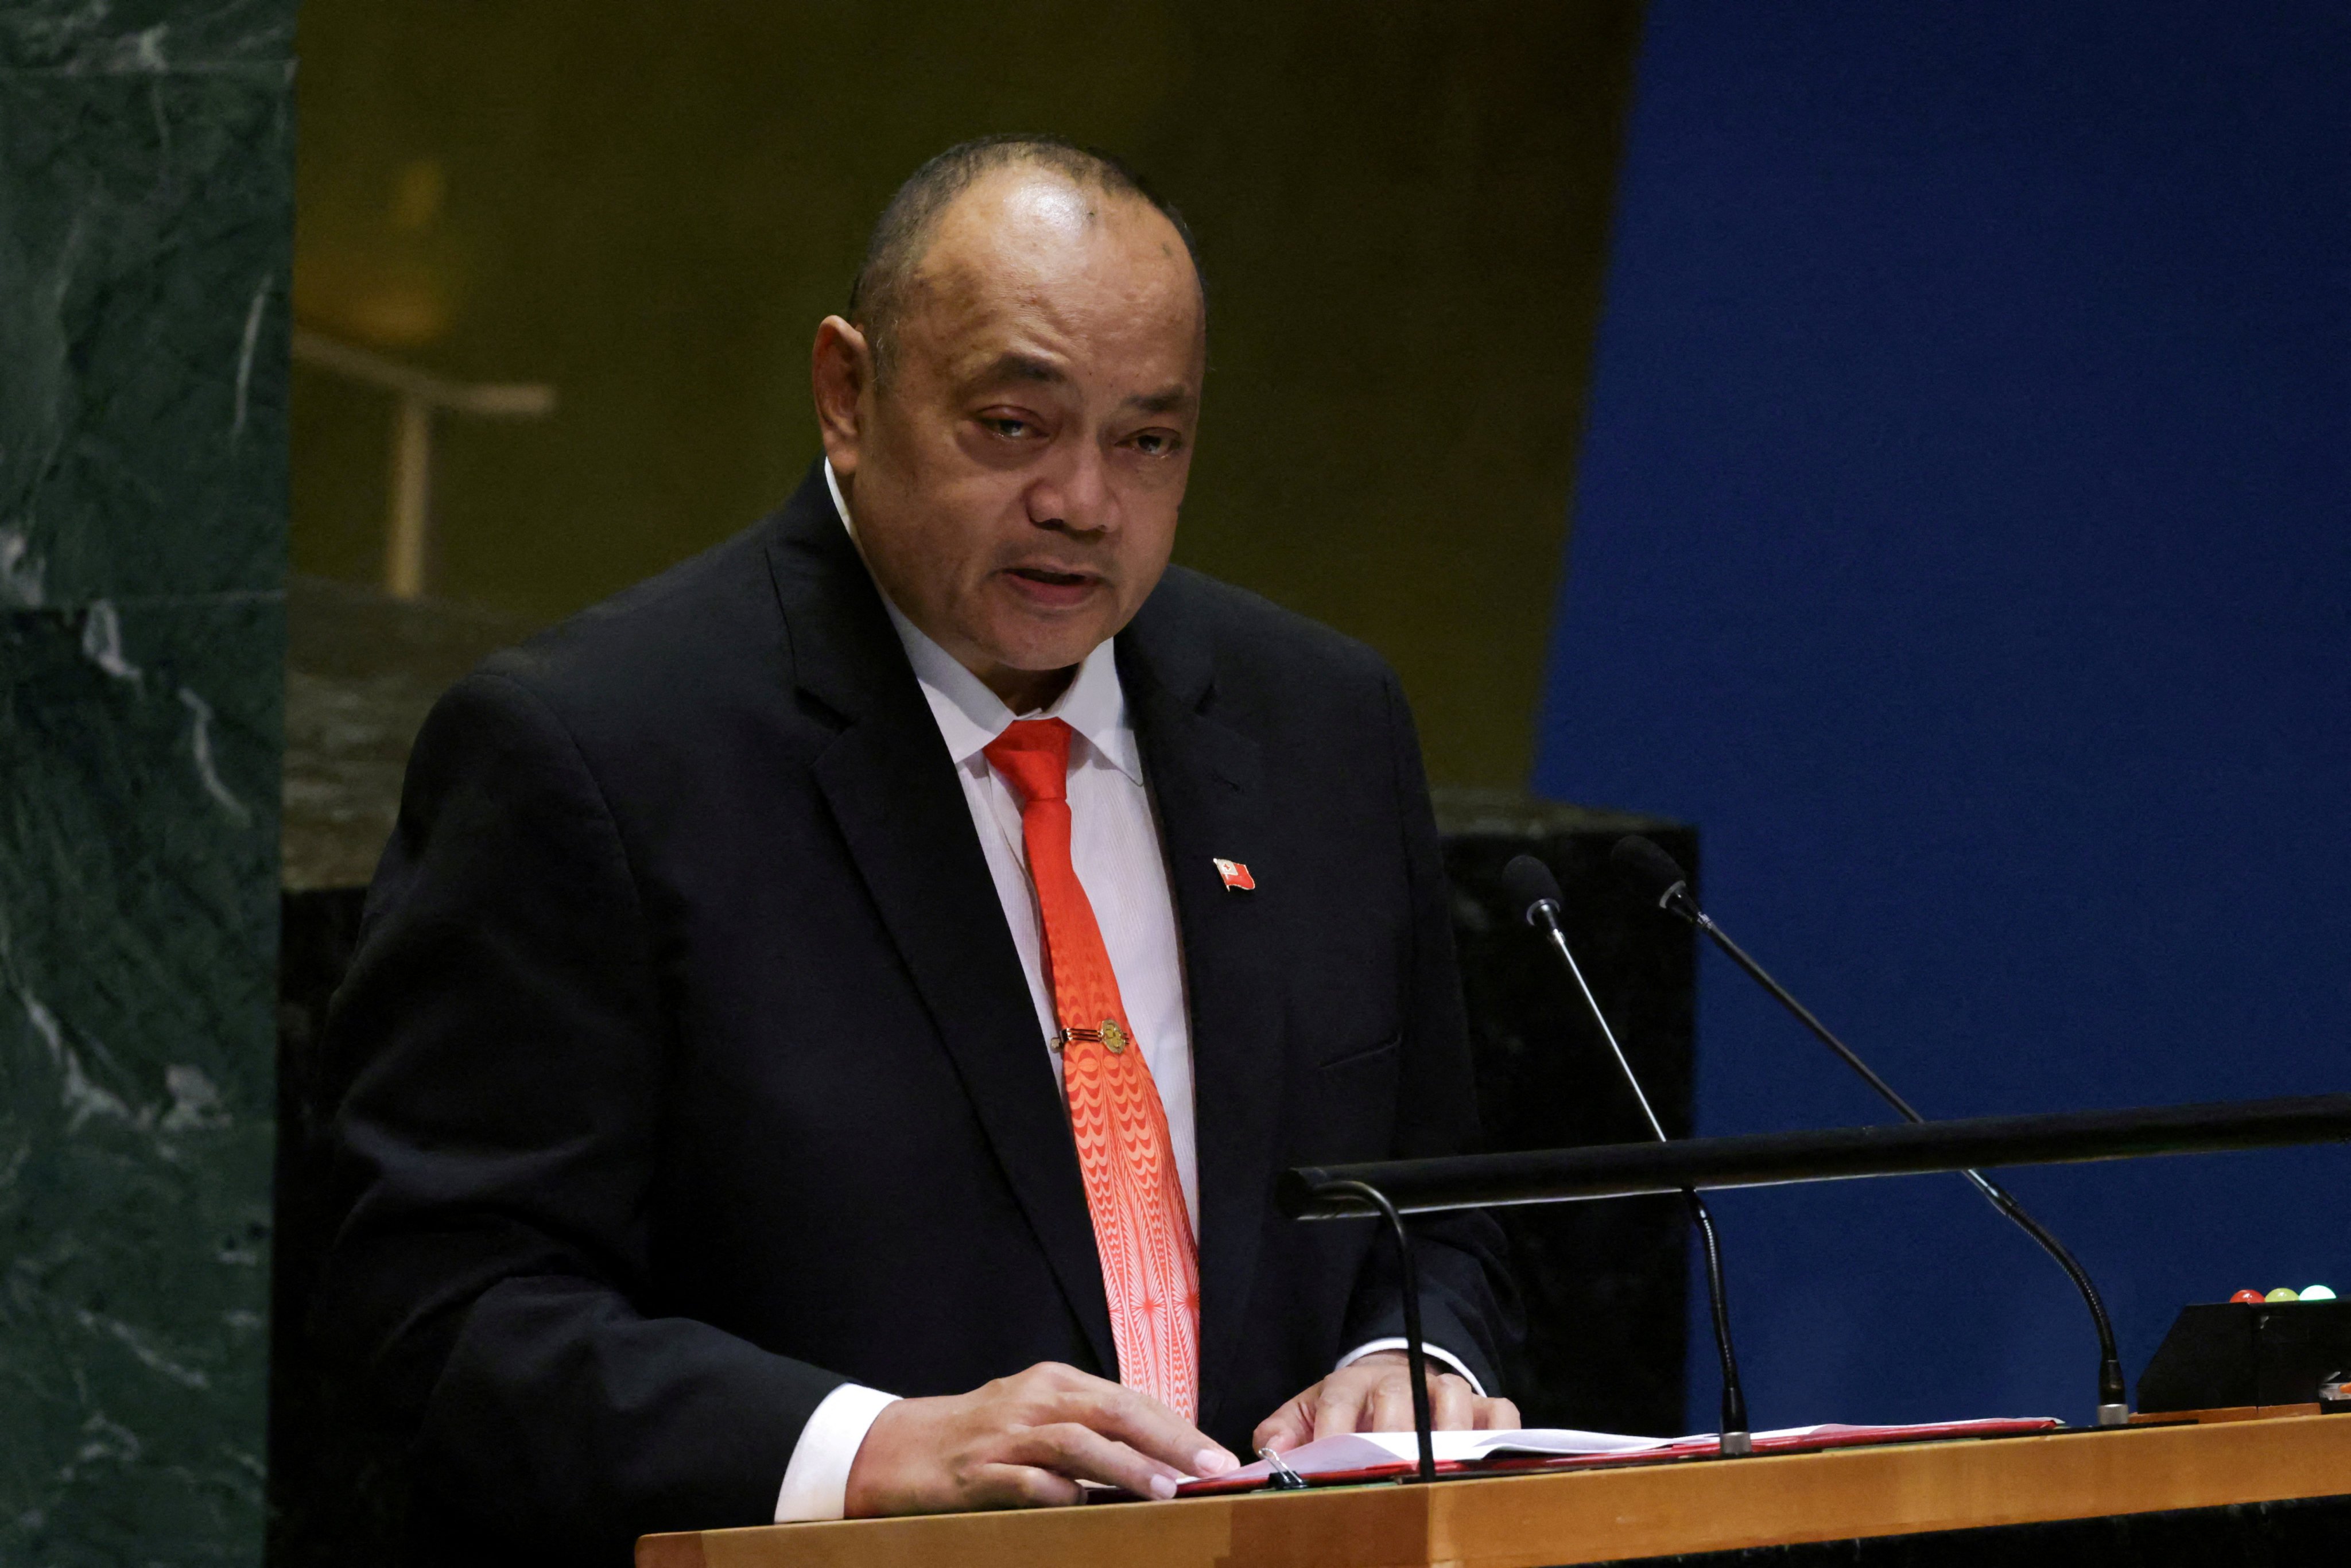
1111,1038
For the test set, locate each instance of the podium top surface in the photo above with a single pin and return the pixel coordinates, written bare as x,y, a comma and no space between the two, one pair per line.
1595,1516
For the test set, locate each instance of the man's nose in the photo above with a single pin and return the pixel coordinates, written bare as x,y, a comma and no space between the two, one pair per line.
1074,490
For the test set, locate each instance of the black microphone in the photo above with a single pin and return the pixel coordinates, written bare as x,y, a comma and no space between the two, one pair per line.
1535,891
1660,879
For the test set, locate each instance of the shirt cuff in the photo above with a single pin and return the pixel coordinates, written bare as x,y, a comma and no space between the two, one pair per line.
816,1481
1436,1352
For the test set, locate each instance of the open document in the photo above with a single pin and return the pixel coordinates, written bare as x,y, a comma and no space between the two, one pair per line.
1378,1456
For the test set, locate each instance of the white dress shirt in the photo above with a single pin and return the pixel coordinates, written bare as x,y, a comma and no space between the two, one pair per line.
1115,847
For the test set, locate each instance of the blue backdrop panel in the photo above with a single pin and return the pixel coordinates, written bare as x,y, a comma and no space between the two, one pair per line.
1962,543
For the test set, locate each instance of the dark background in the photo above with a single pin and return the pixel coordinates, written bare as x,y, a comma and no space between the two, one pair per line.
1402,209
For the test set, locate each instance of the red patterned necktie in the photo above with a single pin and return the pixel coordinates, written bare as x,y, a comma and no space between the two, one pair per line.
1151,1269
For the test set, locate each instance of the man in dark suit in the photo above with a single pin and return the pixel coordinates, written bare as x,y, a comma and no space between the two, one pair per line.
730,993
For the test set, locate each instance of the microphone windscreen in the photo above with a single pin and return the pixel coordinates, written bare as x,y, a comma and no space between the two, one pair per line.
1648,870
1529,882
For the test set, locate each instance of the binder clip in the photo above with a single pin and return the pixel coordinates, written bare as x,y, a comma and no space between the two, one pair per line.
1283,1478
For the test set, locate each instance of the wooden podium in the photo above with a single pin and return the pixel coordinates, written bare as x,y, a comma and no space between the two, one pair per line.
1597,1515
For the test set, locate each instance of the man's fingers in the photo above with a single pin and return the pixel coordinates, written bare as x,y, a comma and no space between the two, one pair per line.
1054,1392
1022,1485
1377,1397
1286,1429
1081,1453
1050,1385
1391,1406
1146,1426
1498,1416
1339,1405
1451,1407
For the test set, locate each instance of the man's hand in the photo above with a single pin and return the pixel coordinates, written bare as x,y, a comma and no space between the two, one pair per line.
1024,1441
1375,1394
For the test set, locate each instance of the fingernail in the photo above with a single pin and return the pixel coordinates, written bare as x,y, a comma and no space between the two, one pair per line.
1163,1485
1213,1462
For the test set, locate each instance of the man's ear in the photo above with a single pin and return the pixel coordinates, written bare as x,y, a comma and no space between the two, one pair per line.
841,370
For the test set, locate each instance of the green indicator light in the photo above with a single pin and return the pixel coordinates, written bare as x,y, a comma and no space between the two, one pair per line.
2316,1293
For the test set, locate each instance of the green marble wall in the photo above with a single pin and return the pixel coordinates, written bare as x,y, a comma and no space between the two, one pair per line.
145,173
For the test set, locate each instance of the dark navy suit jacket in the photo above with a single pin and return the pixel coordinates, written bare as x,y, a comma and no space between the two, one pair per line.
692,1070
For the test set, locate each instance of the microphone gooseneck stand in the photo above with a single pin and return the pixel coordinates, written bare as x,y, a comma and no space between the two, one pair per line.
1532,884
1415,1359
1660,876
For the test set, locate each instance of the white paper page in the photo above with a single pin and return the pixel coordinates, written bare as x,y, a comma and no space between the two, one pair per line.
1363,1450
1367,1450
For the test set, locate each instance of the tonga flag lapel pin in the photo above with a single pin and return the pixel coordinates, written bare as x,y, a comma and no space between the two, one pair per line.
1237,876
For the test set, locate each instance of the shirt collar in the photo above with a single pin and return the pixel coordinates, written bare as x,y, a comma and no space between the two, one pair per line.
839,503
969,715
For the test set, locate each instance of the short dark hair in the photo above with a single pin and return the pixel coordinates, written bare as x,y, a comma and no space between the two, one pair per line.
903,233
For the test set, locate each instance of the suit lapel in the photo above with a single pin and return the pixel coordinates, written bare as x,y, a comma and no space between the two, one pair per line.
1209,785
892,790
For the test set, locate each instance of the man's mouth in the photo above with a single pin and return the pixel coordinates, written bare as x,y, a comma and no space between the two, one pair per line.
1049,590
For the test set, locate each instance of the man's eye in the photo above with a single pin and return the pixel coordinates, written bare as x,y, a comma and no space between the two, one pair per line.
1010,428
1155,443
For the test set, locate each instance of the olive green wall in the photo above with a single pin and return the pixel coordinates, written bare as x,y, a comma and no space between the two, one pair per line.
649,205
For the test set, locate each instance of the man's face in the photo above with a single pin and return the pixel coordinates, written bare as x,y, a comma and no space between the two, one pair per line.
1014,476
